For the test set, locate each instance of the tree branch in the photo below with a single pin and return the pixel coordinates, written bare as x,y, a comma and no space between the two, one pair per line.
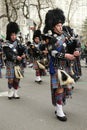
7,10
3,15
14,10
25,6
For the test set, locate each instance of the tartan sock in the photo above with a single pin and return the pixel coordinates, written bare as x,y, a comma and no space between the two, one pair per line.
59,98
10,85
37,72
15,84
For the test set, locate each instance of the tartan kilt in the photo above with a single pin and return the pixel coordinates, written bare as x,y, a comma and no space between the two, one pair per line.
10,73
36,67
55,84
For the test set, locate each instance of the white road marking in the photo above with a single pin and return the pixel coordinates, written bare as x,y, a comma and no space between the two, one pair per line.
4,94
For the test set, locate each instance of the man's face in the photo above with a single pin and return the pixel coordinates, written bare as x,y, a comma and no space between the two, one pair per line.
37,39
13,37
58,28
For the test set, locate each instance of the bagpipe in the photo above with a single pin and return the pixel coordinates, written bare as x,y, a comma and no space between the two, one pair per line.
70,39
12,52
21,49
72,45
64,77
51,39
9,54
36,52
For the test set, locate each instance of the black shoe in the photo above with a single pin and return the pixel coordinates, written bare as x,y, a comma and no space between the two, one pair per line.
64,118
10,98
38,81
16,97
55,112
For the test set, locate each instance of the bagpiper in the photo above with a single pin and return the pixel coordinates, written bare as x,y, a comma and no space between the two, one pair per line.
15,53
37,55
61,81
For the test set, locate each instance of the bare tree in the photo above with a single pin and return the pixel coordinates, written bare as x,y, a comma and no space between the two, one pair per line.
84,30
39,5
10,10
73,6
25,9
13,6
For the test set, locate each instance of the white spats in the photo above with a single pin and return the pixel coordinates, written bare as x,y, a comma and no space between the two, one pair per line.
60,112
10,93
38,79
16,94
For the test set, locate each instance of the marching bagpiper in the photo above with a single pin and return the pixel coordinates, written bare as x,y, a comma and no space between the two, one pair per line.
61,82
37,55
15,54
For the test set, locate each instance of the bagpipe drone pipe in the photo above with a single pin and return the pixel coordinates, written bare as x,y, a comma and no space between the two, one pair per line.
70,39
21,49
36,52
64,77
71,43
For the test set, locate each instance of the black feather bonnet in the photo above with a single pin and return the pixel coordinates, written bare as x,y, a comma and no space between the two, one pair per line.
37,33
12,27
53,17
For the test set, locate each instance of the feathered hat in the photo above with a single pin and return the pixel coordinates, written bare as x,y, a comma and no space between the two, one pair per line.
12,27
52,18
37,33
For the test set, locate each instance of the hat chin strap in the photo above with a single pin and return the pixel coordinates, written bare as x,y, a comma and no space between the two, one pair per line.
59,33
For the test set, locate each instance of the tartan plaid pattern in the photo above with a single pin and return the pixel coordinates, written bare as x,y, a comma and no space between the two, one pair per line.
59,98
56,97
10,72
54,86
35,65
54,81
39,72
10,69
16,84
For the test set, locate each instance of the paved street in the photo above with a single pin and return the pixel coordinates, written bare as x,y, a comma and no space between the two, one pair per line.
34,111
